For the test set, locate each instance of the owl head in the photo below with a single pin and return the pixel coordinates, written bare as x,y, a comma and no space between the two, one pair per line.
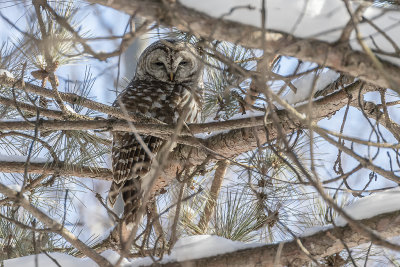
170,61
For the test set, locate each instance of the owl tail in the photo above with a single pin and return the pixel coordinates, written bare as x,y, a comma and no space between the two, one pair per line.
130,190
131,194
113,193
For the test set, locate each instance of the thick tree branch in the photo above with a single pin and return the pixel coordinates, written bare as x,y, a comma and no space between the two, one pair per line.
235,142
228,145
159,130
325,107
334,55
319,245
238,136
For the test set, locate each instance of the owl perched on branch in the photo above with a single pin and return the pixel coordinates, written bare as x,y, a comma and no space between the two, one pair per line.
168,83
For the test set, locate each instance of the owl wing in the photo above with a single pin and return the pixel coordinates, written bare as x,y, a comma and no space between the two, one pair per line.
130,162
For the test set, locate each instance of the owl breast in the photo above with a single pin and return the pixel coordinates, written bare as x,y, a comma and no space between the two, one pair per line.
163,101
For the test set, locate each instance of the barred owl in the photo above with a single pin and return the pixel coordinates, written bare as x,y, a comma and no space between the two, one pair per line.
168,83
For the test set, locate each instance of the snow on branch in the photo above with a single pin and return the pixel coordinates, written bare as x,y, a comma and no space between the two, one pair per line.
319,245
217,251
336,55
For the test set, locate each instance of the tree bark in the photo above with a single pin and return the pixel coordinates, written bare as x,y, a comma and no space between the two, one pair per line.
334,55
320,245
224,145
211,203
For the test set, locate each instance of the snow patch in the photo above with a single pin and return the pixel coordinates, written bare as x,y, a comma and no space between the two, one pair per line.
196,247
63,260
317,19
6,73
303,18
69,108
372,205
316,229
188,248
248,114
364,208
200,246
15,187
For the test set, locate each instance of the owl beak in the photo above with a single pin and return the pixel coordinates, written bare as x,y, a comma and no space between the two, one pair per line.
171,76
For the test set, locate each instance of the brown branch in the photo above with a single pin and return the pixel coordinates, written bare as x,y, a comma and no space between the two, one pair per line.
235,142
379,67
211,203
325,107
178,207
333,55
320,245
50,64
348,29
228,145
303,120
365,162
121,125
373,111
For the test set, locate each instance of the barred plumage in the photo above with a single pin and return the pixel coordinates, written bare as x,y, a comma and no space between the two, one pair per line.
168,80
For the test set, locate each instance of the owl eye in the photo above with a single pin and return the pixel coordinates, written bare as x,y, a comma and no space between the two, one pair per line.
159,63
183,63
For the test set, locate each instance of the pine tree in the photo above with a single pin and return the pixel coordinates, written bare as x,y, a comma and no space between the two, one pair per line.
257,169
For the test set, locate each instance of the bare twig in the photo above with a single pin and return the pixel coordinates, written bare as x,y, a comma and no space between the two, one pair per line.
55,226
211,202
